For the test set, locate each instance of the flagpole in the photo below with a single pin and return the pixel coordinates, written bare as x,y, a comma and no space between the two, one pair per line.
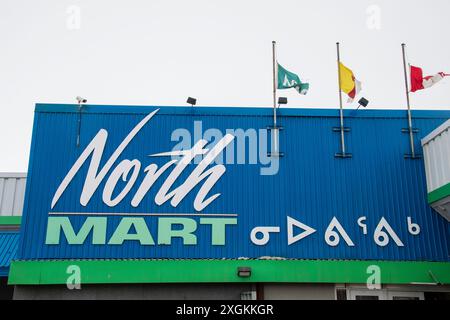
341,112
275,129
410,129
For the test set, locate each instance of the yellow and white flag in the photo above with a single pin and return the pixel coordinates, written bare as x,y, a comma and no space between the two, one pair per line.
349,84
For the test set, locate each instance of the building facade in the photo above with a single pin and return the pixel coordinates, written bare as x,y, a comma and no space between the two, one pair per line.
213,203
12,192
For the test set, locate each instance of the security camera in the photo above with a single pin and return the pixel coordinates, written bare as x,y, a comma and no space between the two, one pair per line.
81,100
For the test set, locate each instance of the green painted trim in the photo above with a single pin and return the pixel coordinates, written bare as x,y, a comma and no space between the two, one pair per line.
439,193
10,220
195,271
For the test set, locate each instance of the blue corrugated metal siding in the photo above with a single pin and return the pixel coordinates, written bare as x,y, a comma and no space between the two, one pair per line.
9,241
312,186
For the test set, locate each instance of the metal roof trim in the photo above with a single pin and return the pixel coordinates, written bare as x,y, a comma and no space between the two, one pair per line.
436,132
239,111
311,271
10,220
13,174
222,259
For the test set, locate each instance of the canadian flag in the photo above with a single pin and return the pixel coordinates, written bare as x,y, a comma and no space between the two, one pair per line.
419,82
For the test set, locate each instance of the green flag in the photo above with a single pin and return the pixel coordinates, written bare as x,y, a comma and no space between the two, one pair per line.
287,79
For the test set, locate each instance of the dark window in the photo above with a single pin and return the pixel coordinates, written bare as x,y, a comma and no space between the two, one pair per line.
366,298
341,294
405,298
437,295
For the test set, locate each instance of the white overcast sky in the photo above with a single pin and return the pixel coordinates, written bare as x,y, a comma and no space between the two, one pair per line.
159,52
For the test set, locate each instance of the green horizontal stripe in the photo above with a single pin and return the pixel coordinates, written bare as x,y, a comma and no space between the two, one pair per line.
196,271
10,220
439,193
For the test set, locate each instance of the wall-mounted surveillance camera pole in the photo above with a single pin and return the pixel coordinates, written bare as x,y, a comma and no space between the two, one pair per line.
79,124
80,106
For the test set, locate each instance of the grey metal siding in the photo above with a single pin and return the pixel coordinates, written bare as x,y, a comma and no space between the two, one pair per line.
12,193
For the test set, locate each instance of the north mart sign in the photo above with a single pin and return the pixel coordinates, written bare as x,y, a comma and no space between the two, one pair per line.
204,176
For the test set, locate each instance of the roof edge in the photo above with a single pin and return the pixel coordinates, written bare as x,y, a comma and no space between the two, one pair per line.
239,111
436,132
13,174
10,220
